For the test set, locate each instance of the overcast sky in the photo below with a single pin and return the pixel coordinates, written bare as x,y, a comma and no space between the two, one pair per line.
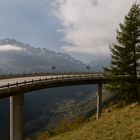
82,28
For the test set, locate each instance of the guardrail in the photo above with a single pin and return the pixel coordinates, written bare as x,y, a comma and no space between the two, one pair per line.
48,79
56,77
4,76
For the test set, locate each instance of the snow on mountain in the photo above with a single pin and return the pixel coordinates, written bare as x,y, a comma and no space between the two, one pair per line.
17,57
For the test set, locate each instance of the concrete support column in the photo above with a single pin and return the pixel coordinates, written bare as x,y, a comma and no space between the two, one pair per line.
99,101
16,117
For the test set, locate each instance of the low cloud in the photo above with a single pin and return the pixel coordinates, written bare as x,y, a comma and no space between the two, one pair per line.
90,25
10,48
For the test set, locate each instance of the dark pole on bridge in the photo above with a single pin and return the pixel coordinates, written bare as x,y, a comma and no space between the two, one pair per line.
99,101
88,68
53,68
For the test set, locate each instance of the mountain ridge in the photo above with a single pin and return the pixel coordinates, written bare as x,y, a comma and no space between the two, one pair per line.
31,59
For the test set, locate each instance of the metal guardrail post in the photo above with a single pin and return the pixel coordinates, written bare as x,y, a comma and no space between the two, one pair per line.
17,84
25,82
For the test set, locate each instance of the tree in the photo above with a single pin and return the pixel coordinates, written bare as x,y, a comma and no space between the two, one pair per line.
125,56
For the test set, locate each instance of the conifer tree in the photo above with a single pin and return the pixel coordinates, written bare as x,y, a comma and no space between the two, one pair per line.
125,56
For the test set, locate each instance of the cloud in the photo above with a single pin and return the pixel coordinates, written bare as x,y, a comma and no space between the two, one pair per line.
10,48
90,25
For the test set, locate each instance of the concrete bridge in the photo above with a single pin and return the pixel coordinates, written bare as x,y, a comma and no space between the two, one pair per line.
15,86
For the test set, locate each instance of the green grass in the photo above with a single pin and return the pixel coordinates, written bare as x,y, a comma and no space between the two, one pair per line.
119,124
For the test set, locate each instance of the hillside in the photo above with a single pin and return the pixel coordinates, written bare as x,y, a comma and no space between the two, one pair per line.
119,124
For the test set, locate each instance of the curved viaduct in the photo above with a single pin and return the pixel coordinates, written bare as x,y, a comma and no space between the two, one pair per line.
20,85
16,86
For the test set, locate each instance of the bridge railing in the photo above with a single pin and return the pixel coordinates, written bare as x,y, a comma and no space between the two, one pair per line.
4,76
52,78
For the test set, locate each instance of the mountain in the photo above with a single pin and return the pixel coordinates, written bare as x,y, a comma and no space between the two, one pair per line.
17,57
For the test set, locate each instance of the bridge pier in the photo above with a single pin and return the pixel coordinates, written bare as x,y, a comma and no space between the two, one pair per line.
16,117
99,101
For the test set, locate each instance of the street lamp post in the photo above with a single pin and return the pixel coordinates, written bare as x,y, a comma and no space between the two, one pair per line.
53,68
88,68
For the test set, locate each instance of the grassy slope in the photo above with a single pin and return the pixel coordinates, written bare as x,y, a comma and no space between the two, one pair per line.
120,124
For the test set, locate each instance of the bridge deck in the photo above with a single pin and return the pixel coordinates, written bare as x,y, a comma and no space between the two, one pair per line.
13,86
